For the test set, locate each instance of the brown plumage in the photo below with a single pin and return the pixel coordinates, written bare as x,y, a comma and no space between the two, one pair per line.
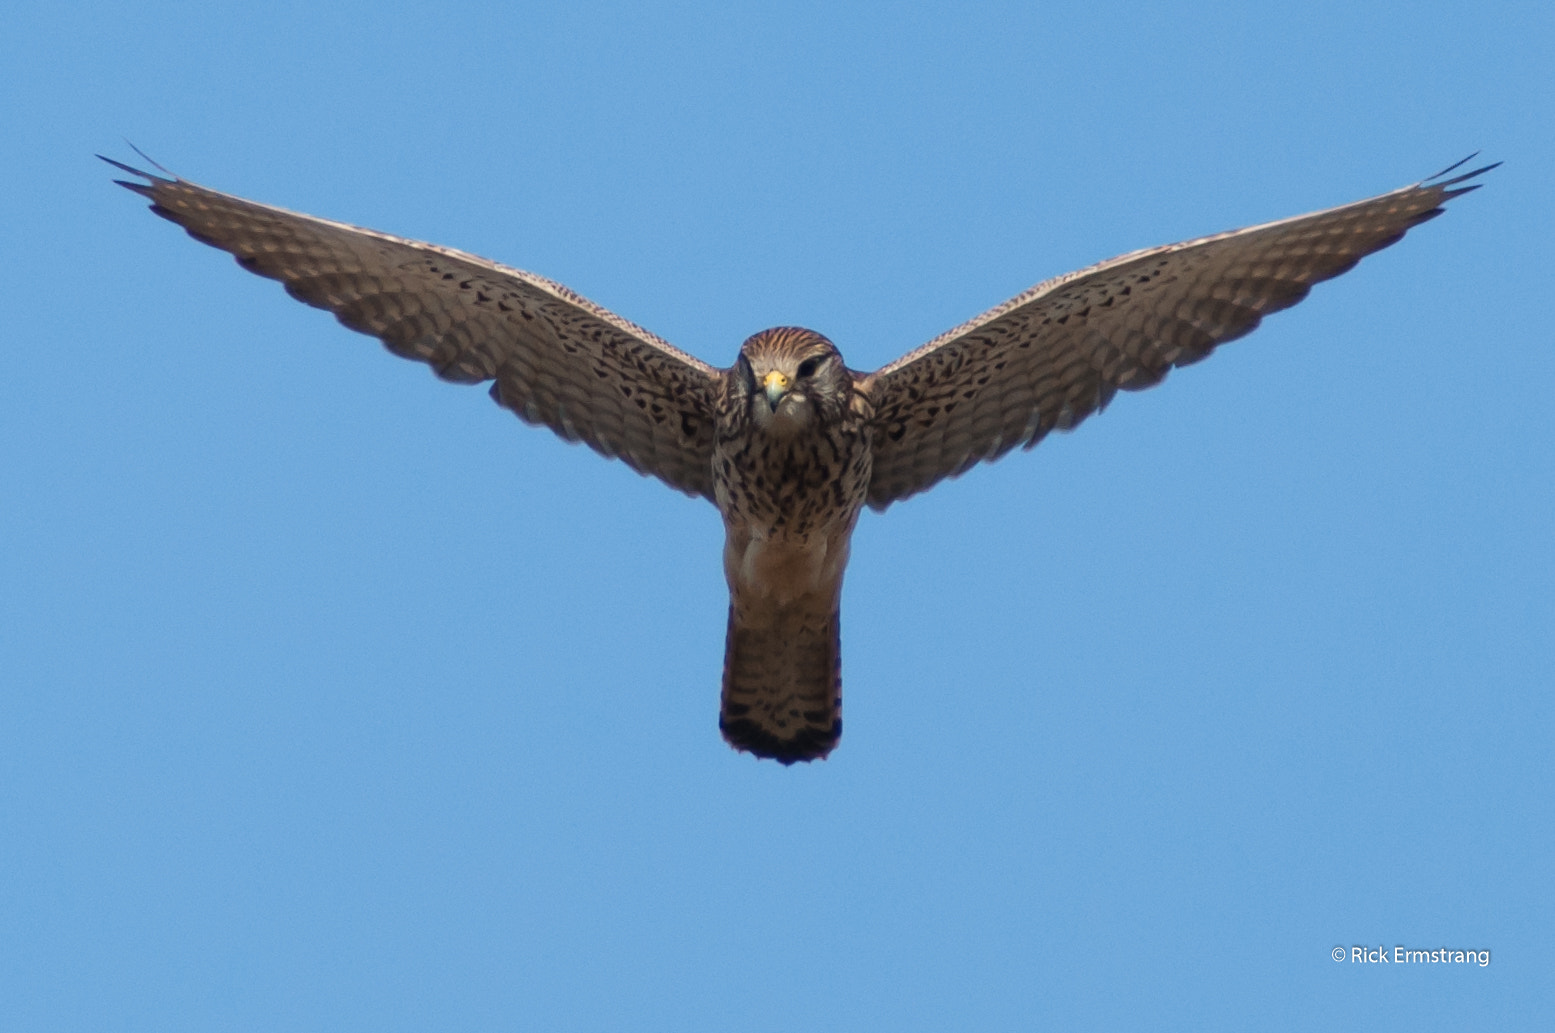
788,442
791,463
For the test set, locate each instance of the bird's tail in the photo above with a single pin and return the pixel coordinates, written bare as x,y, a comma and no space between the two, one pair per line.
782,691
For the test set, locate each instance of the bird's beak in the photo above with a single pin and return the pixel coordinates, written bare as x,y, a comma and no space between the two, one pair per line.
776,385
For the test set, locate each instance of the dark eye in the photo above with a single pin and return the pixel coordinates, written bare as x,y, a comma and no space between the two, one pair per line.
807,367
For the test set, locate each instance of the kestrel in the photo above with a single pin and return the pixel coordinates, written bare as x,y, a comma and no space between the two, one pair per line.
789,443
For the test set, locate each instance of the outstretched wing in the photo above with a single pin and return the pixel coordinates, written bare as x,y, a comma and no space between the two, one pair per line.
1051,356
557,358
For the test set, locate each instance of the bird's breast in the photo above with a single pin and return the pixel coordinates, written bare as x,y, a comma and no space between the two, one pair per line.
792,487
789,506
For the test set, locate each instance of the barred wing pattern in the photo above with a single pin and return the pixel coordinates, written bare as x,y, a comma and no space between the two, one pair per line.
558,359
1048,358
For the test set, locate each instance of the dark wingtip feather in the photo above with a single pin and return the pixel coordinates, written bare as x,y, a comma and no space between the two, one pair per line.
144,190
1454,165
1470,175
1437,181
132,170
164,168
148,188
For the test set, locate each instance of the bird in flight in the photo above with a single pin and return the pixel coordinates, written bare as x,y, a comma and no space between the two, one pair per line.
788,442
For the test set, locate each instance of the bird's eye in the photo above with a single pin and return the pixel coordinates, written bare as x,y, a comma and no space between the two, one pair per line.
807,367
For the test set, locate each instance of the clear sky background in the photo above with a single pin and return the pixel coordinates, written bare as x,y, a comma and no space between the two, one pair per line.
333,697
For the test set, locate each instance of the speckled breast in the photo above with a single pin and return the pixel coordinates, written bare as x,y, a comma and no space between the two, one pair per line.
773,487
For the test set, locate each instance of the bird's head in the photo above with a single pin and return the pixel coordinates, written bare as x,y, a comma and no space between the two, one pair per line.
791,379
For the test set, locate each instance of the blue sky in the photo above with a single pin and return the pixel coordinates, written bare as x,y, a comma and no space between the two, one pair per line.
333,697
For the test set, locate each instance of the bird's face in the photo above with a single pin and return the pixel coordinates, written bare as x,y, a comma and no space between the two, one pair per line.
792,379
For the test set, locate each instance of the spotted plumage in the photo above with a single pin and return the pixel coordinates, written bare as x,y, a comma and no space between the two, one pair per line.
791,466
788,442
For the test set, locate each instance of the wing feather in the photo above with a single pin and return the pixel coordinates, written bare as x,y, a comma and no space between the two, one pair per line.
558,360
1049,357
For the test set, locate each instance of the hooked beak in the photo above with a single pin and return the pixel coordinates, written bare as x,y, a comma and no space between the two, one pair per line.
776,386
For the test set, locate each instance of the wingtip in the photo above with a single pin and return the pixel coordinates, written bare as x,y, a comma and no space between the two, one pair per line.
132,170
143,189
149,158
1437,182
1457,164
151,177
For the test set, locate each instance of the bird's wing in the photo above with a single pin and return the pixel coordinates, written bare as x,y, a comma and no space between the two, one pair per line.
1051,356
557,358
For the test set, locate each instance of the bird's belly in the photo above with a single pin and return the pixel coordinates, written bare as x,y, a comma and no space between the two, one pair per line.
783,571
790,545
789,509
